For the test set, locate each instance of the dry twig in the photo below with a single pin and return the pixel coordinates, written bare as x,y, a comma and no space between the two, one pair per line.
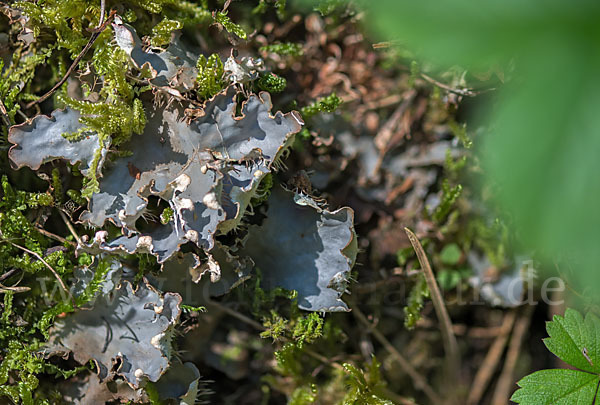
419,381
4,114
236,314
506,381
4,288
449,339
70,226
460,92
382,139
9,273
54,236
492,358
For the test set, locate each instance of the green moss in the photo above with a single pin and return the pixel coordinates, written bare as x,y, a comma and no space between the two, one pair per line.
113,122
68,19
450,254
66,306
324,105
288,360
492,237
153,6
223,19
263,191
415,72
402,255
460,131
190,308
167,215
161,33
57,190
308,329
15,80
304,395
326,7
284,49
210,80
449,197
14,225
271,83
365,388
412,310
454,166
75,195
276,326
20,345
278,5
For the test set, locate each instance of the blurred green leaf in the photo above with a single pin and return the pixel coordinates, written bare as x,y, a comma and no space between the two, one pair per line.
450,278
542,147
450,254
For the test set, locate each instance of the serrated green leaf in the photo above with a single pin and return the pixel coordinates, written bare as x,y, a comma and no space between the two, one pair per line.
557,387
574,340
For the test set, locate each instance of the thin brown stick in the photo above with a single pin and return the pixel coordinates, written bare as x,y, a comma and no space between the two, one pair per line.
383,102
9,273
14,288
236,314
54,272
386,44
506,382
22,114
387,130
371,287
102,8
449,339
460,92
54,236
4,289
70,227
492,358
475,332
419,381
73,66
322,358
4,114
